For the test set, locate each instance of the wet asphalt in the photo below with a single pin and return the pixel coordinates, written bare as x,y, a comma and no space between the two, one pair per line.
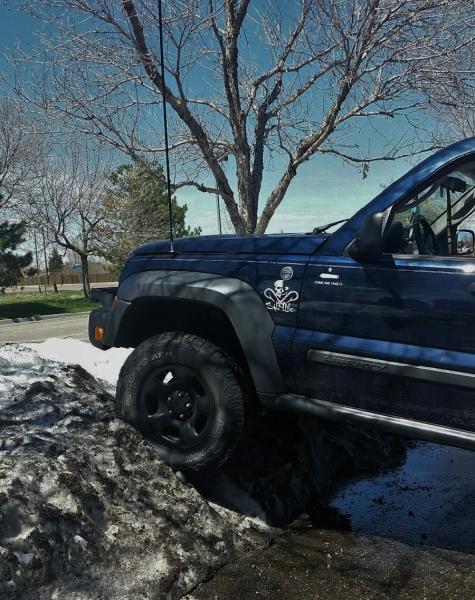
407,533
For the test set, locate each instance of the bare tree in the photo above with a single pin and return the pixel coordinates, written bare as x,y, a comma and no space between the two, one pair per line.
454,108
65,202
454,123
247,80
20,148
456,119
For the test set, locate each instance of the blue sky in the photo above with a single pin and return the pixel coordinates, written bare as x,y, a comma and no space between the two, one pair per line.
325,189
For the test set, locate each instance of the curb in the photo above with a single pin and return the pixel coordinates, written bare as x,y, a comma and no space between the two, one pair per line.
38,318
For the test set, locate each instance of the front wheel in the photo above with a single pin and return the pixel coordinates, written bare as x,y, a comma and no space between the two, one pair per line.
187,396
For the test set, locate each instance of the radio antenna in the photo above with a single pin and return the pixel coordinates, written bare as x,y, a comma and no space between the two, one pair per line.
165,127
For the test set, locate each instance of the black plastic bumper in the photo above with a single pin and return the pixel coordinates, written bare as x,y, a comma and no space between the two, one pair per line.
108,317
98,318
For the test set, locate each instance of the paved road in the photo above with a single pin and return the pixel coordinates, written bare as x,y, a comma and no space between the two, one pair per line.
67,326
32,289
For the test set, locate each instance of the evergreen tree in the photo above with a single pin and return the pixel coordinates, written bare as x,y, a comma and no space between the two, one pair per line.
137,208
55,264
11,236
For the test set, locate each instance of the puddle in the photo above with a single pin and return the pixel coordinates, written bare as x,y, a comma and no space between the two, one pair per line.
407,533
429,500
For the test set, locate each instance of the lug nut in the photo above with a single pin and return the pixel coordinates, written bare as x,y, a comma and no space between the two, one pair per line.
182,416
170,412
187,405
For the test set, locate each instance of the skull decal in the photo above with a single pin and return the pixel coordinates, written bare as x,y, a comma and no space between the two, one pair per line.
281,298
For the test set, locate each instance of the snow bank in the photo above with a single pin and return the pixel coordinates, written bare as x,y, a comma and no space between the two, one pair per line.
23,364
87,508
19,368
103,365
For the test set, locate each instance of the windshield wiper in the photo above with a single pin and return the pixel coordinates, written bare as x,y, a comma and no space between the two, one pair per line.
323,228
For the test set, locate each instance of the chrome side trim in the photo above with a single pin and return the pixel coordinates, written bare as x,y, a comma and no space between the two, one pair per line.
397,425
388,367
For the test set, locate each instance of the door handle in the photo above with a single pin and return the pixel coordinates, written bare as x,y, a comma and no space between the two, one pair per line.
471,289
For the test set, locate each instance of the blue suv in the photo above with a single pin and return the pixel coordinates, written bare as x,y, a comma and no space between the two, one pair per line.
373,323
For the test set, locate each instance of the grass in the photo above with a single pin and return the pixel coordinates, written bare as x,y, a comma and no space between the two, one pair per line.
14,306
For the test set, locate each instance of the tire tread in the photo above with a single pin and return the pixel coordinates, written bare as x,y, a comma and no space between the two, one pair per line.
234,388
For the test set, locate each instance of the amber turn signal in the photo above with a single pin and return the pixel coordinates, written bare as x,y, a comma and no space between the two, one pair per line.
99,333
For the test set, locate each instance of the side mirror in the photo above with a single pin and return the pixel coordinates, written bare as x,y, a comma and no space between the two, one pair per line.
369,241
465,241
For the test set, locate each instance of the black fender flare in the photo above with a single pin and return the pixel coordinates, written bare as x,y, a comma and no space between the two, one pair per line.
239,301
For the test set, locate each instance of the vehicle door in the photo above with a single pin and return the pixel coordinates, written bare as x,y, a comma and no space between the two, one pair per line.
394,332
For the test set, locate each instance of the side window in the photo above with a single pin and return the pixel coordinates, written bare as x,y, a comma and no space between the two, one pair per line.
439,220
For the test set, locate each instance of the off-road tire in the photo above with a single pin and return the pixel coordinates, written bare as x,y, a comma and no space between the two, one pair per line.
221,375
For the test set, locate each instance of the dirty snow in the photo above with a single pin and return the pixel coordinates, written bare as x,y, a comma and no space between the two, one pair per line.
19,368
87,508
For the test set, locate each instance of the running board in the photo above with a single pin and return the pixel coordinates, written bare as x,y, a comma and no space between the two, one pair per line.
322,409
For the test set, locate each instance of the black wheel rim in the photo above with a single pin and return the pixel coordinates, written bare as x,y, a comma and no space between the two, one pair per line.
176,406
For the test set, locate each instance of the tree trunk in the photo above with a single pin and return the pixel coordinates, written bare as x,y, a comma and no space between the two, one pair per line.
37,266
274,200
46,259
86,285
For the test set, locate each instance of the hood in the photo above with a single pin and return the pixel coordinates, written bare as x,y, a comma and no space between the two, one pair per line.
236,244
